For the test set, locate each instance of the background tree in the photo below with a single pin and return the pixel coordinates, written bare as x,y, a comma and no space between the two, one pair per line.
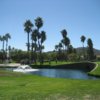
90,51
83,38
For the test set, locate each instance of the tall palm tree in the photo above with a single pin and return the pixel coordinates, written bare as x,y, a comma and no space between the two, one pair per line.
0,38
83,38
7,37
90,51
34,43
34,38
28,28
3,40
38,24
67,42
43,37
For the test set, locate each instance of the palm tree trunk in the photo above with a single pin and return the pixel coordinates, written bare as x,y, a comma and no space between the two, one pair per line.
6,48
31,51
83,51
41,59
28,48
35,54
3,50
39,47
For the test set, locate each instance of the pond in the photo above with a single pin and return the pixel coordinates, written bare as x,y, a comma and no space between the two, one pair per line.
63,73
60,73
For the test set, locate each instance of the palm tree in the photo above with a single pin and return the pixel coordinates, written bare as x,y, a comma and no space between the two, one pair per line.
3,39
34,43
7,38
64,33
43,38
60,46
90,51
83,38
0,38
38,24
28,28
34,38
67,42
56,47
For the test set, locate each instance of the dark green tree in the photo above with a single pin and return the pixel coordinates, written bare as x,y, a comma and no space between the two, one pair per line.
90,52
83,38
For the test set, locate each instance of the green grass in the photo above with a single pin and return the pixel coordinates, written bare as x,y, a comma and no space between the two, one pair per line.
17,86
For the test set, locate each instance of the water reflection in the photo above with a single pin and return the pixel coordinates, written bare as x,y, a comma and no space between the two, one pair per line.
63,73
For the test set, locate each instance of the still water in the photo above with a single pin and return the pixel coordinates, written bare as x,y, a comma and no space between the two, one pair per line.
63,73
60,73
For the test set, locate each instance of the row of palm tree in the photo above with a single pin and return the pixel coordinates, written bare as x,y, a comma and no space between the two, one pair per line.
37,38
4,39
64,43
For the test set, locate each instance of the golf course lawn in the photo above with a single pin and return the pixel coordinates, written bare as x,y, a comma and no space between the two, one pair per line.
17,86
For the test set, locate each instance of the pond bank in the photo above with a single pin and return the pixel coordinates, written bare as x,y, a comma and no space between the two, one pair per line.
84,66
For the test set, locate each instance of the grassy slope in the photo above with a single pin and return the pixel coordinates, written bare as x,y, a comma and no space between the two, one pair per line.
97,70
54,63
16,86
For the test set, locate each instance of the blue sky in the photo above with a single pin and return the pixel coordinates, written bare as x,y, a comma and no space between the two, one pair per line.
78,17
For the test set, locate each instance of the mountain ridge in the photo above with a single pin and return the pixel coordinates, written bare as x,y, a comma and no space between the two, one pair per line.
80,50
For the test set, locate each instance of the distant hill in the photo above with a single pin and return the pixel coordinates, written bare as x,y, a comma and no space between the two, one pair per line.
80,50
